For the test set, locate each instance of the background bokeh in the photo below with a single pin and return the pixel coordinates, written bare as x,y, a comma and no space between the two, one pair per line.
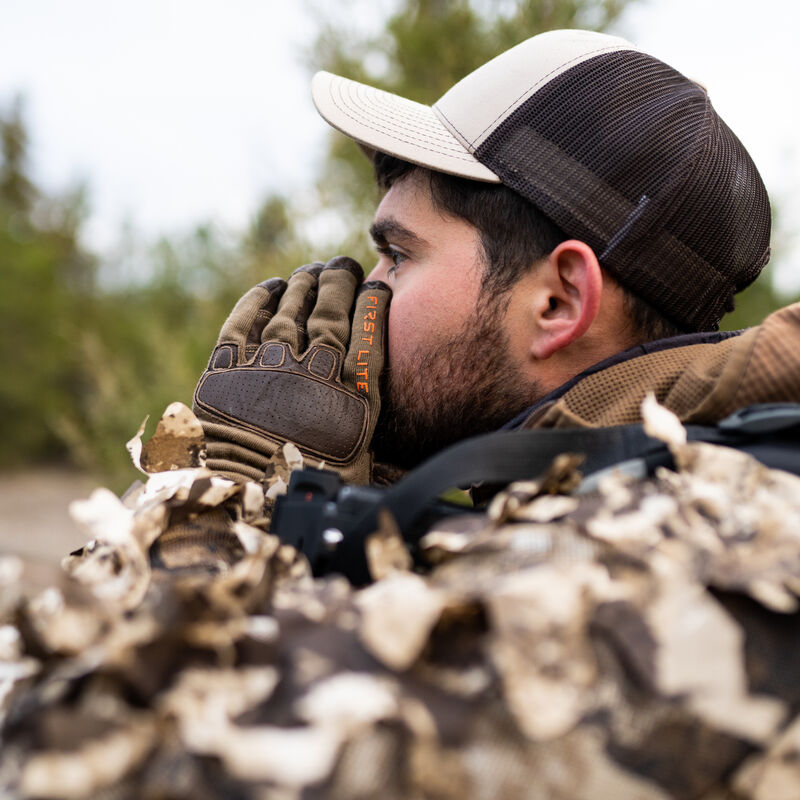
158,158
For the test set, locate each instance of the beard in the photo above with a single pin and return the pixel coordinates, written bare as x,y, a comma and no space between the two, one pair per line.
450,391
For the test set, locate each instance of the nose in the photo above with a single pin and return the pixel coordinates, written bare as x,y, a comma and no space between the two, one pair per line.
378,273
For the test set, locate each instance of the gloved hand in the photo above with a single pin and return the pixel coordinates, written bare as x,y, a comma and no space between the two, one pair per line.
298,362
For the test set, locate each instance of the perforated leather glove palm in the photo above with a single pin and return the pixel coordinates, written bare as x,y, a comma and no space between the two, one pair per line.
297,362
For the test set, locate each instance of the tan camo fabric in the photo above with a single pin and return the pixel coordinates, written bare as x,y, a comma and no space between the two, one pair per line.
701,383
630,640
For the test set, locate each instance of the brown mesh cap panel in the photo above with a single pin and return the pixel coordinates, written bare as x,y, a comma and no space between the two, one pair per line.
627,154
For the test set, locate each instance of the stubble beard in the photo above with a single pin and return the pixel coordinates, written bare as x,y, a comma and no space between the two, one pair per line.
450,391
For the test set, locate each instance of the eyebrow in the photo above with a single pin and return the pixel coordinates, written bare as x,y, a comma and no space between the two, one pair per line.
389,229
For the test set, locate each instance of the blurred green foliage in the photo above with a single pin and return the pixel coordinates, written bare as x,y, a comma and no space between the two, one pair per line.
756,302
86,354
46,288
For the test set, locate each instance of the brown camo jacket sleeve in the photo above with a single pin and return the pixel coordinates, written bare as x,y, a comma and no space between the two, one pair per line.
701,383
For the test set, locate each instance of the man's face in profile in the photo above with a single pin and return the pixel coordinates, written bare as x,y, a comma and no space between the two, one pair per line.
454,368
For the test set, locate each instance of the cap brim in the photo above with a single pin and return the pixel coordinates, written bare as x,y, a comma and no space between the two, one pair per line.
385,122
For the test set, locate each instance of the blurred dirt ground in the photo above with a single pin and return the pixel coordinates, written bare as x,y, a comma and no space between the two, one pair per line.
34,520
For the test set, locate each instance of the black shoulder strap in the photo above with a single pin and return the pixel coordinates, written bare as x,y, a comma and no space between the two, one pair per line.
329,522
506,456
770,432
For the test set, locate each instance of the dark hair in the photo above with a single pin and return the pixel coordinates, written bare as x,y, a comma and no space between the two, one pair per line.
514,233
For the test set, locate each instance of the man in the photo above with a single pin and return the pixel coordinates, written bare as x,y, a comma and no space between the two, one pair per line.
561,234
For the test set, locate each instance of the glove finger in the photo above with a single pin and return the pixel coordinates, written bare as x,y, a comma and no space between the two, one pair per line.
329,323
250,314
365,358
288,324
276,286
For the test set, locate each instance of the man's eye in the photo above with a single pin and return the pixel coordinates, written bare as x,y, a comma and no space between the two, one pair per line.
395,255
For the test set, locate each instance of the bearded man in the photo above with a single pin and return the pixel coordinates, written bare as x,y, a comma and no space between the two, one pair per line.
560,234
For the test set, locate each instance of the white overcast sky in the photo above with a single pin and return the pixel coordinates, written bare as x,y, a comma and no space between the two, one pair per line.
175,112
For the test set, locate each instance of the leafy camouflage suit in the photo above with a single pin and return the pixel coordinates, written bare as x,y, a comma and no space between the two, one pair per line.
638,640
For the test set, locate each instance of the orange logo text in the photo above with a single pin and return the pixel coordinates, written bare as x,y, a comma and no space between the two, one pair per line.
368,337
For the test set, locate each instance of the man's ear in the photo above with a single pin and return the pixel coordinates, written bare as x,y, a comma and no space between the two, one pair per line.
568,298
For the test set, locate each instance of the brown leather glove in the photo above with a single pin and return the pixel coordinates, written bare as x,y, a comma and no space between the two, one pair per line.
297,362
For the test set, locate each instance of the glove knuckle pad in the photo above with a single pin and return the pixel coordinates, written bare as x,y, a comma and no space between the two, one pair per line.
224,357
272,355
317,417
322,363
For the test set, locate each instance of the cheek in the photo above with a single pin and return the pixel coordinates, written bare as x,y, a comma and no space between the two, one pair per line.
406,329
421,319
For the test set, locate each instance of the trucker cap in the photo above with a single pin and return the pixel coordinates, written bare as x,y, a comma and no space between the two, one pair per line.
619,149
